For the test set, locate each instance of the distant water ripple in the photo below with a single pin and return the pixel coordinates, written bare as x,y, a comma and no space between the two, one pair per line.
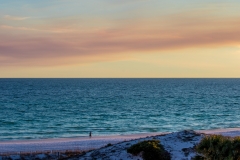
50,108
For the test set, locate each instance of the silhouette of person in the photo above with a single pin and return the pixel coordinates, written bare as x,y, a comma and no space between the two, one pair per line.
90,134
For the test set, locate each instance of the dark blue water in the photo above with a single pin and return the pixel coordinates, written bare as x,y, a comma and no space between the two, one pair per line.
50,108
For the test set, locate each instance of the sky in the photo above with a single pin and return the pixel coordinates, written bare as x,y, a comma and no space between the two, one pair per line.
120,39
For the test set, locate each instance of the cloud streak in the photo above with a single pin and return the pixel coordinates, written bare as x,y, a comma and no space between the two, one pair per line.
15,18
26,45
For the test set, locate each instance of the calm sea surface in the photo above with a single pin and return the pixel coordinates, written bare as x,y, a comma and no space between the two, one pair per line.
54,108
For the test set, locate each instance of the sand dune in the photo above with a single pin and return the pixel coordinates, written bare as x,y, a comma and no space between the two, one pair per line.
179,144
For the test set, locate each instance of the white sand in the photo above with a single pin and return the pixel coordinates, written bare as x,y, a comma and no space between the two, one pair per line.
82,143
231,132
179,144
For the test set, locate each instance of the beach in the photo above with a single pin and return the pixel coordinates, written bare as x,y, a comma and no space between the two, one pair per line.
178,144
62,144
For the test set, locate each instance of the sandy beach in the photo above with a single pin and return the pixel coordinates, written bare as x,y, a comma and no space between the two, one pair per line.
61,144
179,144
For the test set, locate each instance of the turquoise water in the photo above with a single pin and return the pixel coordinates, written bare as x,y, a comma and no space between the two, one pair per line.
54,108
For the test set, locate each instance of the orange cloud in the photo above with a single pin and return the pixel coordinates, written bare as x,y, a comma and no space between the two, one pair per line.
56,45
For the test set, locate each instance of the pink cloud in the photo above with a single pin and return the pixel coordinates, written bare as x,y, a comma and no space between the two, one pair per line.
24,45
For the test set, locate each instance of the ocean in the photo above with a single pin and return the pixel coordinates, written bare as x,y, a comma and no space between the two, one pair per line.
57,108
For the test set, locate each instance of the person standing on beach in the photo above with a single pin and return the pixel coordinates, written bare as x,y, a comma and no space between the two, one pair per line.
90,134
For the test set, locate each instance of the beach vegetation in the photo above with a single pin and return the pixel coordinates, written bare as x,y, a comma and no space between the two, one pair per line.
108,145
150,150
218,147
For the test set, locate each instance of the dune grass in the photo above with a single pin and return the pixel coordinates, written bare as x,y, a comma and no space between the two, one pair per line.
218,147
150,150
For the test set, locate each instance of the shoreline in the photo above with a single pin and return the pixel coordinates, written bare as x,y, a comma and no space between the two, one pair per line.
87,143
137,135
63,144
